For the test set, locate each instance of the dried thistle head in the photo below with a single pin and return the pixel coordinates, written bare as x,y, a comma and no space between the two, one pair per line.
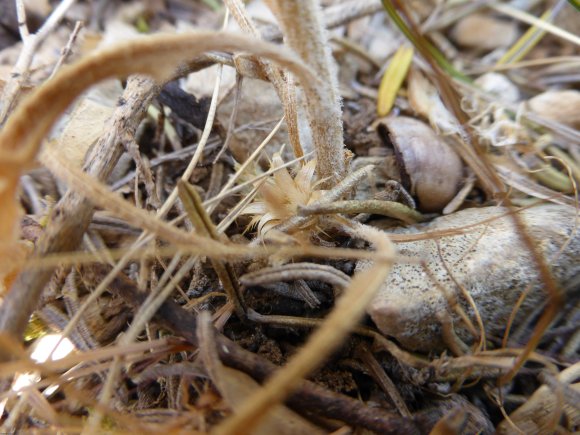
281,195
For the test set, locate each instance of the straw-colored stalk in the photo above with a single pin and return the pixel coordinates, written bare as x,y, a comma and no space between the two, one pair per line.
304,32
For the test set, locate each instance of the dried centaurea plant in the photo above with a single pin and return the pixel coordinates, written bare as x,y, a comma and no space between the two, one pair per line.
449,256
281,195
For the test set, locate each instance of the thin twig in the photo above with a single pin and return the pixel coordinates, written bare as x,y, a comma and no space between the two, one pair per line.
373,206
282,84
384,380
21,15
67,50
20,71
233,116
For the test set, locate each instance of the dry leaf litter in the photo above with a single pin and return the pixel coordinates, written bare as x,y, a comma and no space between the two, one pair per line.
317,216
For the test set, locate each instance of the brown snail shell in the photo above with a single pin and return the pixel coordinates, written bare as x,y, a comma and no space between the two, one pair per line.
428,167
488,260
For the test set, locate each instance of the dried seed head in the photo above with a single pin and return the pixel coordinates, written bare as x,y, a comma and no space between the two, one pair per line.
560,106
430,170
282,194
489,261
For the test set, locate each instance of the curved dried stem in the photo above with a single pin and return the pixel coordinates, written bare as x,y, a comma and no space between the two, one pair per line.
297,271
374,206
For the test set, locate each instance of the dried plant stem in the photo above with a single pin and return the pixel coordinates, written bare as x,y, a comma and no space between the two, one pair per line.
231,124
139,252
21,16
203,224
335,15
296,271
373,206
534,21
381,343
67,50
384,380
344,317
304,30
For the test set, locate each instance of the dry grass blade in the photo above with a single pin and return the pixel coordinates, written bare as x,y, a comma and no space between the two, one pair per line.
527,18
527,41
393,79
203,224
347,312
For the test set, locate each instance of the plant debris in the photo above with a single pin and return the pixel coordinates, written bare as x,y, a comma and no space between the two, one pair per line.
289,217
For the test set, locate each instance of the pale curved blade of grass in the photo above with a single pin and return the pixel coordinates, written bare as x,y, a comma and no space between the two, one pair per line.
530,19
393,79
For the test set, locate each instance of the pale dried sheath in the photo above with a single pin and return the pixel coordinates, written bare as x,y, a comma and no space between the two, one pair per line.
283,84
304,32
